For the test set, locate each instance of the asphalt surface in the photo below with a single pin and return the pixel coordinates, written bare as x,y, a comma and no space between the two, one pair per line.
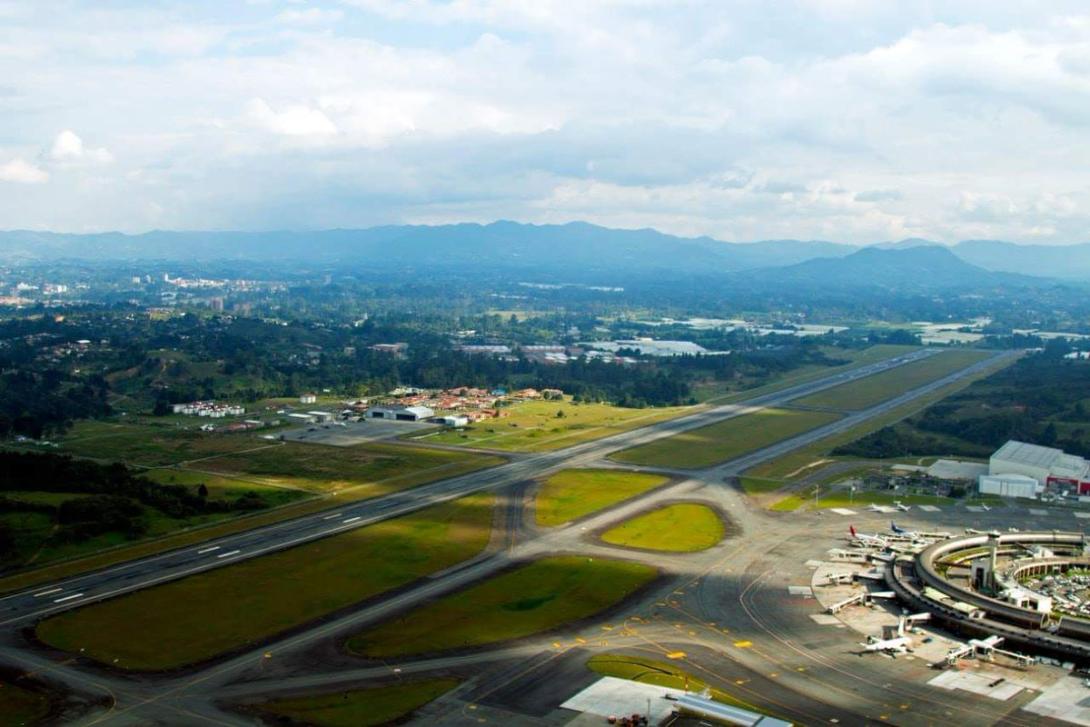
726,608
35,603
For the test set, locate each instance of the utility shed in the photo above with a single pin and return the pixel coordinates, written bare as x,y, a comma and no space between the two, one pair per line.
1010,485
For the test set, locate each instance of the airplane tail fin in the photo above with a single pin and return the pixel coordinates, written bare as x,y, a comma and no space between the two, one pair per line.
852,529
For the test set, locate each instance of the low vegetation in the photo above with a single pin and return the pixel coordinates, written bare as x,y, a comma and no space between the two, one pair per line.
719,442
20,705
539,426
872,390
571,494
205,615
681,528
531,599
659,673
359,707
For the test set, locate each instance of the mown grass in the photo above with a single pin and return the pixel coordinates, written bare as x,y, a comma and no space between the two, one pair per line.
571,494
207,614
711,393
805,500
337,475
709,445
150,445
872,390
533,598
660,673
679,528
534,426
797,464
20,706
359,707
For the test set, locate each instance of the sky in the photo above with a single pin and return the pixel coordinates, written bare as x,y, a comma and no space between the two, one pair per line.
849,120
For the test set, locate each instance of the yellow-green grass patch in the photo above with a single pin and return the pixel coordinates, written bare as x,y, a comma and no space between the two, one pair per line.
682,528
534,426
370,469
571,494
709,445
151,445
21,706
531,599
800,462
359,707
839,498
660,673
872,390
232,607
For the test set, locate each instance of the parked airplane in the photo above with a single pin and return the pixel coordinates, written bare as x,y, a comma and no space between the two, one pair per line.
892,647
874,541
901,506
901,531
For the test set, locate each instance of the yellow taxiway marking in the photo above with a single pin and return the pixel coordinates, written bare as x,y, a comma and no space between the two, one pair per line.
675,655
743,644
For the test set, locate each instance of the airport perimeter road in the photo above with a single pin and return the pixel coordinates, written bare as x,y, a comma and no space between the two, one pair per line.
29,605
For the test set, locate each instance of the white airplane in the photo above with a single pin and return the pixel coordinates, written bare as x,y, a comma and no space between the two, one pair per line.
892,647
901,506
974,531
874,541
875,507
896,530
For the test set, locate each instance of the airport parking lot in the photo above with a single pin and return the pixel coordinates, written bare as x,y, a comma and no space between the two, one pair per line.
347,434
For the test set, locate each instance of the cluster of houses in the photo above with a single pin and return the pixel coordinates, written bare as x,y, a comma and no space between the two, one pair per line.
545,353
209,409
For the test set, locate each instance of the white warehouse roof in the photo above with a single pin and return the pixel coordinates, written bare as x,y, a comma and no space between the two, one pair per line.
1032,454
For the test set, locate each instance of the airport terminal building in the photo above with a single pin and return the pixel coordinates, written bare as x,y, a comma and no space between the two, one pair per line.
1019,469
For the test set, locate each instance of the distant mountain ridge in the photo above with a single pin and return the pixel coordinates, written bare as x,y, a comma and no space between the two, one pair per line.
578,246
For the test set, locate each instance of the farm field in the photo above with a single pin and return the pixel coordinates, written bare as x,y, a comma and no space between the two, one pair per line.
715,443
678,528
211,613
531,599
534,426
571,494
871,390
359,707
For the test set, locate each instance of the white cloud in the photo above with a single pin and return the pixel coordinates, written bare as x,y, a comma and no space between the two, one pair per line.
22,172
309,16
68,148
292,120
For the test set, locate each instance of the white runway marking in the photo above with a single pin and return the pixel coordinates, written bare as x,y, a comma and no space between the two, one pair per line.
1034,511
67,598
330,517
228,553
974,508
842,511
928,508
800,591
825,619
202,551
1081,514
352,519
48,592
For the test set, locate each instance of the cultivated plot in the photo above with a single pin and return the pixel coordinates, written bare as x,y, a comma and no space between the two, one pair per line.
709,445
531,599
571,494
225,609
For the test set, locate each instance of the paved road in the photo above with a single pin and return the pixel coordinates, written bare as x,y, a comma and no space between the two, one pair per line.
192,698
32,604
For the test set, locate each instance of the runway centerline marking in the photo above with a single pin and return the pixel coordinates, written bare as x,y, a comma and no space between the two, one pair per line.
228,553
67,598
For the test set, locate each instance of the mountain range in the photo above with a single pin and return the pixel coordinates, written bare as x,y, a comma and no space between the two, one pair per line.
577,246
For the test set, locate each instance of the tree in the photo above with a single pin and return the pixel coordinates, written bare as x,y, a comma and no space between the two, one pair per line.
1048,436
202,491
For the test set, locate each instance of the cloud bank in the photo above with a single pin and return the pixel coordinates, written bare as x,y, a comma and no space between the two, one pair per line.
834,119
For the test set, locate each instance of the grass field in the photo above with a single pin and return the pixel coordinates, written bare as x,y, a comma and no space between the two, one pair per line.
283,473
871,390
805,500
207,614
572,494
715,393
680,528
359,707
533,598
715,443
534,426
799,463
368,470
20,706
150,445
660,673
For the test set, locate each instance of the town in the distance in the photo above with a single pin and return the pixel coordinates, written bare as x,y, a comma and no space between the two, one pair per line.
530,491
